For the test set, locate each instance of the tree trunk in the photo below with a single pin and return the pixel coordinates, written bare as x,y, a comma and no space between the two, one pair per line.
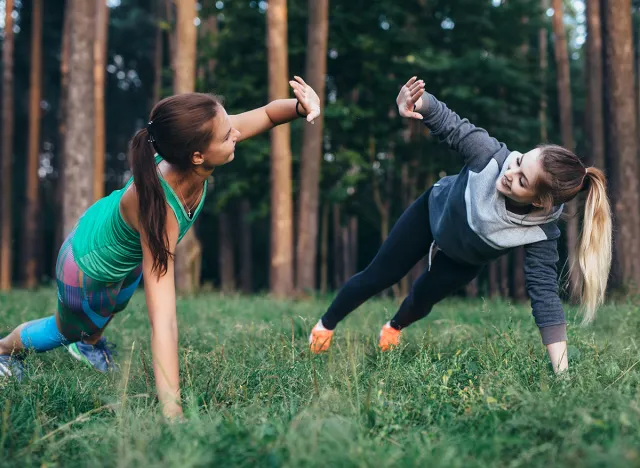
188,252
519,285
226,255
622,143
346,252
7,147
78,160
246,247
317,32
494,289
337,248
65,52
324,249
100,64
566,127
30,232
504,276
471,289
542,44
281,268
353,245
157,62
595,123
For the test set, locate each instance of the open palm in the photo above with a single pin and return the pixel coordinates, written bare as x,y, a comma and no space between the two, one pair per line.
410,98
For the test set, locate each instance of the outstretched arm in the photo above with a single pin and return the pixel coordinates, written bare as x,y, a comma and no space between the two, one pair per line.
160,293
542,285
277,112
473,143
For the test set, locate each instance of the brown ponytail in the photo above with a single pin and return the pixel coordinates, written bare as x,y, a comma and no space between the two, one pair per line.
151,200
179,126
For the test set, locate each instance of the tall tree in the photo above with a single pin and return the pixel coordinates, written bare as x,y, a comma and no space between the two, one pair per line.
594,115
317,34
566,124
30,231
189,250
622,140
226,255
246,250
80,115
281,268
7,146
100,64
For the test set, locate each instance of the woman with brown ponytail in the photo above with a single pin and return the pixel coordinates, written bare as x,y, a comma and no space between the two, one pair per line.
500,200
135,230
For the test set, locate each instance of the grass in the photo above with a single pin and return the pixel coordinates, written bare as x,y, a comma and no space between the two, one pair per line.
470,386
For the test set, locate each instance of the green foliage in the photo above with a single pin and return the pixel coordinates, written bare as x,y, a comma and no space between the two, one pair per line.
470,386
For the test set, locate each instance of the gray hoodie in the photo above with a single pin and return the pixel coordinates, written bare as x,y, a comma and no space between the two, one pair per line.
470,222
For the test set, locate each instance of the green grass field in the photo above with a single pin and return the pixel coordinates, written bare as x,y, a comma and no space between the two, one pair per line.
471,386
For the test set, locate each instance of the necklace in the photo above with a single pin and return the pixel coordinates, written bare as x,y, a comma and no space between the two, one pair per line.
185,203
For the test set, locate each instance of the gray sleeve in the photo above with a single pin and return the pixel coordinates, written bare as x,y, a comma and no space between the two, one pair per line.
475,145
541,277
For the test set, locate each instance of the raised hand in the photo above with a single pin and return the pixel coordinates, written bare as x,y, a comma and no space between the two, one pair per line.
307,98
410,98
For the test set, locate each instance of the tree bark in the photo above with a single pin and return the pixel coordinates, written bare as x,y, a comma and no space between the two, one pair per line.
312,148
226,255
494,289
595,123
30,231
471,289
519,284
157,59
189,250
337,248
353,245
100,64
246,247
324,249
504,276
79,144
542,44
622,140
7,147
566,127
65,52
281,264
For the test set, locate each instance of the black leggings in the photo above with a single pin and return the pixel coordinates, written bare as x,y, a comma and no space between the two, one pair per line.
408,242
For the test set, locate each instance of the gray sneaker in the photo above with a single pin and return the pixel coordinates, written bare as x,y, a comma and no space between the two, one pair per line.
11,366
98,356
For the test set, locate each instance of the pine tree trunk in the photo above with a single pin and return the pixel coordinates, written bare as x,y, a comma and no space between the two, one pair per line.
346,253
317,32
353,245
519,284
504,276
566,127
324,249
100,65
543,46
246,247
226,255
7,148
595,123
157,62
281,265
79,144
30,232
189,250
494,289
65,52
337,248
471,289
622,140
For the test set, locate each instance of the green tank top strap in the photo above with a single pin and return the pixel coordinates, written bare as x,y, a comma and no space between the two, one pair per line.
184,221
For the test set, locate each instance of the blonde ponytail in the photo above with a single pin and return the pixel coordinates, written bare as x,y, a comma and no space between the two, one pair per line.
594,246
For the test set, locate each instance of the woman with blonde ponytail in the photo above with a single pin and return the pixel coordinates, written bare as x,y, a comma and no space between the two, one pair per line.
500,200
134,232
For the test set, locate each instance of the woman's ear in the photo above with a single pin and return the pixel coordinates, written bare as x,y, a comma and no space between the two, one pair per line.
197,158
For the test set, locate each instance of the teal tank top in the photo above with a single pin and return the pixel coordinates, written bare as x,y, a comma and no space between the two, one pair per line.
106,248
